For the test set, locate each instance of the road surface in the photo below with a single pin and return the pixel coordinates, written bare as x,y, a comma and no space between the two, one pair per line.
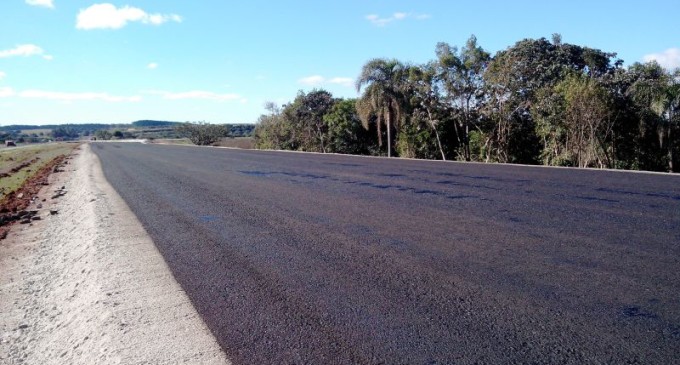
303,258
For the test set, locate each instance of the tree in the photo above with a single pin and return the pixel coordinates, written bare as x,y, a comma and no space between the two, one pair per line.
305,114
382,100
661,95
462,76
66,132
425,99
202,133
103,134
517,75
272,130
575,122
346,133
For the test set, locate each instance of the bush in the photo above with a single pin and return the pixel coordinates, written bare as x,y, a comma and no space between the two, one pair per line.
203,134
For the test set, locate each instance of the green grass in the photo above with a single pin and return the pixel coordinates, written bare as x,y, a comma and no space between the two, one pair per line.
15,156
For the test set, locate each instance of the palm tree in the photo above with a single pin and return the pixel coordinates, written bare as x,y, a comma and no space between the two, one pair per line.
382,97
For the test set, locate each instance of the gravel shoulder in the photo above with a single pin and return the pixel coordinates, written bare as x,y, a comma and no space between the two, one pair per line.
87,285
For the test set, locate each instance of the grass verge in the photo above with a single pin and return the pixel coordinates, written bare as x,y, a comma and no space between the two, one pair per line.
17,165
23,172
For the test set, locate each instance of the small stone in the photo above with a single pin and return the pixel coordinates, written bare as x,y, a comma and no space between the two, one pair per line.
54,211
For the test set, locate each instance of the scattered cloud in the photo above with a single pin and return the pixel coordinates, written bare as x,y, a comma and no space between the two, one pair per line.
152,66
198,94
314,80
318,80
25,50
399,16
43,3
108,16
2,75
6,92
66,96
343,81
669,59
381,22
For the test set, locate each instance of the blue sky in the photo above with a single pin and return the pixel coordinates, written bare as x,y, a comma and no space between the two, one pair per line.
81,61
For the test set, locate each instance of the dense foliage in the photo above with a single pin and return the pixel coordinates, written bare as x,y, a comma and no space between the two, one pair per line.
538,102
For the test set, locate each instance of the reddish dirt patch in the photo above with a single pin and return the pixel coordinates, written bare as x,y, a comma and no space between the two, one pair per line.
17,201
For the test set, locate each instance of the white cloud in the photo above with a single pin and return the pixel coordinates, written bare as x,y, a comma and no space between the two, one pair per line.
344,81
44,3
25,50
2,75
6,92
381,22
318,80
314,80
152,66
198,94
669,59
108,16
66,96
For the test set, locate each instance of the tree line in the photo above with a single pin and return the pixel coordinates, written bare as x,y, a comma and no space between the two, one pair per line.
148,129
539,101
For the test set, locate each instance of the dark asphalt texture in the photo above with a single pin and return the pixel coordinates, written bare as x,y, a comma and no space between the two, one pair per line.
295,258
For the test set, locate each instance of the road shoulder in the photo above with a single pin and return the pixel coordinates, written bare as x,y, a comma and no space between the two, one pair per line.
87,285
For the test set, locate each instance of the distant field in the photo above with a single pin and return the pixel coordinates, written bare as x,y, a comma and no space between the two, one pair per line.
18,164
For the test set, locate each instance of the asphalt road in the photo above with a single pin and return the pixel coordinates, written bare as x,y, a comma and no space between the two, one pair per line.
319,259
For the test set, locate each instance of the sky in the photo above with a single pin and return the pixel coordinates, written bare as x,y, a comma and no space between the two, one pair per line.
219,61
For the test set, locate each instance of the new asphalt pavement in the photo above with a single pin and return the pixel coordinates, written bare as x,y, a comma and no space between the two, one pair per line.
295,258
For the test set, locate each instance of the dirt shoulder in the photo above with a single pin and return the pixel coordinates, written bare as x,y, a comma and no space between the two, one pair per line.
85,284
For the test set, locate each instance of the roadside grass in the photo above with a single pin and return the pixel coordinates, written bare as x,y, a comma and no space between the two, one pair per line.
246,143
17,165
172,141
